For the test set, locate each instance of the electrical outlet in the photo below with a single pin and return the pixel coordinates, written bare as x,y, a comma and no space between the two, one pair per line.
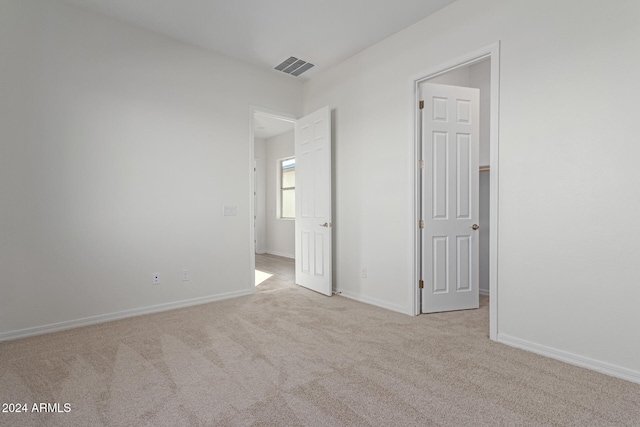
363,273
156,278
185,275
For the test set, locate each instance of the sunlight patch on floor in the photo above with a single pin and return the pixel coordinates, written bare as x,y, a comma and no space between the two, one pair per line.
261,276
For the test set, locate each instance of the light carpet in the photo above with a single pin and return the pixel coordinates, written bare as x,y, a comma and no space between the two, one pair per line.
287,356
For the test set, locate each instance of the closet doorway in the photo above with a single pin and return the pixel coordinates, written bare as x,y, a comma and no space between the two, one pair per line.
479,69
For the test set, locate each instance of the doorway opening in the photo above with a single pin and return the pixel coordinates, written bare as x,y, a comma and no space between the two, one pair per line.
476,69
272,230
274,273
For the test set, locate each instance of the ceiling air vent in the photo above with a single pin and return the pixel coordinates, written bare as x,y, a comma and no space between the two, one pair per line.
294,66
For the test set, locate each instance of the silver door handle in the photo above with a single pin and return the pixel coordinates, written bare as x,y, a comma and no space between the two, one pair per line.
475,226
326,224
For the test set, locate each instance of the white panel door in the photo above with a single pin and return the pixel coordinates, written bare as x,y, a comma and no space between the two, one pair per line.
313,201
450,187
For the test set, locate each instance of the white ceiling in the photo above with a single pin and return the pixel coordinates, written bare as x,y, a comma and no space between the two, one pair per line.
266,126
266,32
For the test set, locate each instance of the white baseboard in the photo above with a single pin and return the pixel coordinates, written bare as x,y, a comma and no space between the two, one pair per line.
573,359
282,254
373,301
102,318
484,292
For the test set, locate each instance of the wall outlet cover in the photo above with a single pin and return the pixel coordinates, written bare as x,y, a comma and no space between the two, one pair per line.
230,211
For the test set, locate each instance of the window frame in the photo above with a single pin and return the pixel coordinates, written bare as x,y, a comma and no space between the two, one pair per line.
281,189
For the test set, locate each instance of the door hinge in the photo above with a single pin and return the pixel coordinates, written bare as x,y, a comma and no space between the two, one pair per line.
421,224
421,284
421,164
421,105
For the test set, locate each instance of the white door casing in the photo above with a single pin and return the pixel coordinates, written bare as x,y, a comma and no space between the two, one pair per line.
255,204
450,183
313,202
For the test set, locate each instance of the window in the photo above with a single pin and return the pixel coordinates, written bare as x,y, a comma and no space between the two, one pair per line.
288,188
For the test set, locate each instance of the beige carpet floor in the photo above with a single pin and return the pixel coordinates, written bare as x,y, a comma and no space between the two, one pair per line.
288,356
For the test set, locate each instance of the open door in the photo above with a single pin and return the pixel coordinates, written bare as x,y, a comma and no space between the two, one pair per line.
313,202
450,187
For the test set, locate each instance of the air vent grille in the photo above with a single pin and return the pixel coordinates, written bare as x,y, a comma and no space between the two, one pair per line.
294,66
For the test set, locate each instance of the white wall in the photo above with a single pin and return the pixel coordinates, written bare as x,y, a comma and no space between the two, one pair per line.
569,182
118,150
458,77
480,77
280,232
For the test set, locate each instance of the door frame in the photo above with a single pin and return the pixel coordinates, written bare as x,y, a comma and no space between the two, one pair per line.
491,52
253,110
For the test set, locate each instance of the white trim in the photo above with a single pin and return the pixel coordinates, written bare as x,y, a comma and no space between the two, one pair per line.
102,318
282,254
279,189
572,358
253,111
270,114
484,292
493,52
372,301
252,208
494,211
414,123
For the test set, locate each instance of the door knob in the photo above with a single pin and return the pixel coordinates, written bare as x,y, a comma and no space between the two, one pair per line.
326,224
475,226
